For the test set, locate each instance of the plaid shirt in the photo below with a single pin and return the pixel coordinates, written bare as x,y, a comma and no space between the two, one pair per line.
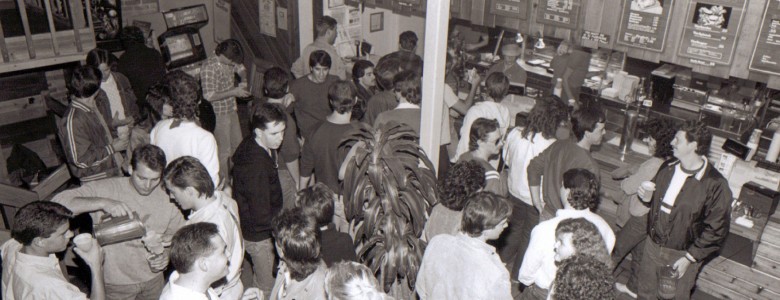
218,77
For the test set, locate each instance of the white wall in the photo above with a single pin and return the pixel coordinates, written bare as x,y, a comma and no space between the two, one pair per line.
386,41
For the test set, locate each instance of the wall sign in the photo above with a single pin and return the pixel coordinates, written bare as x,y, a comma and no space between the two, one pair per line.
560,13
267,17
510,8
596,37
711,28
644,24
766,57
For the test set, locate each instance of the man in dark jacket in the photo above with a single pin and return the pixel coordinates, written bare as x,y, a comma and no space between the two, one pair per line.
142,65
689,213
257,190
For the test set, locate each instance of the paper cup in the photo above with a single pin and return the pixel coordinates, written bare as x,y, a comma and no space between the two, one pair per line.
83,241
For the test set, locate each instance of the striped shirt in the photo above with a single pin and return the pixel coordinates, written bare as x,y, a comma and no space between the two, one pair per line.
87,143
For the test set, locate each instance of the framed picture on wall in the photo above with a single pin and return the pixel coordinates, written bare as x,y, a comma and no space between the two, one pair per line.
107,19
377,22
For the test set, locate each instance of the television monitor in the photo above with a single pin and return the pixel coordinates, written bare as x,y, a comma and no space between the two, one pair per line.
181,47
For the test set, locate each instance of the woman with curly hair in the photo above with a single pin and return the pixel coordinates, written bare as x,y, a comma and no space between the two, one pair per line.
580,194
631,212
182,135
349,280
580,237
583,277
462,182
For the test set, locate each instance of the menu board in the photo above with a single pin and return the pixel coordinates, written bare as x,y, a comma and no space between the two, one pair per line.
510,8
710,33
766,57
644,24
560,13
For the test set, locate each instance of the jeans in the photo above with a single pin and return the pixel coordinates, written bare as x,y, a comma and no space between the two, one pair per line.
228,135
262,254
150,290
656,256
629,239
517,236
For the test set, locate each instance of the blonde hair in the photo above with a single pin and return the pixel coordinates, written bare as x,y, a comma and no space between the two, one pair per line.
351,280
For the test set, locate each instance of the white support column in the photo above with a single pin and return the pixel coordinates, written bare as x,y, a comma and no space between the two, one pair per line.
436,20
306,23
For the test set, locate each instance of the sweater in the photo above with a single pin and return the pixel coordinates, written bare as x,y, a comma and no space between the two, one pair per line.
256,189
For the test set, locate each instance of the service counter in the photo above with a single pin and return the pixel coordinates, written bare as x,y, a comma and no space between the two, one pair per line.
750,269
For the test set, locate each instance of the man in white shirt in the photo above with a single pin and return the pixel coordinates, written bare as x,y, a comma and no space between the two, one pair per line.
30,268
190,185
327,32
465,266
580,192
200,257
522,145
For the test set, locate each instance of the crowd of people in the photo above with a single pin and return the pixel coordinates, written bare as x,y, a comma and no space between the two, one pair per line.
262,217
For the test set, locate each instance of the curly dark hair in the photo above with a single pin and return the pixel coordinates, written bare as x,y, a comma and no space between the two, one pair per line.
462,182
185,94
586,238
584,189
545,117
583,277
662,131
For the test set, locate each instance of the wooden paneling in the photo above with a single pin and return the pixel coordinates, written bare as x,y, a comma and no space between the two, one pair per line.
281,50
603,16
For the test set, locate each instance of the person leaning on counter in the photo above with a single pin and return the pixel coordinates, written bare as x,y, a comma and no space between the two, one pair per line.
509,66
571,65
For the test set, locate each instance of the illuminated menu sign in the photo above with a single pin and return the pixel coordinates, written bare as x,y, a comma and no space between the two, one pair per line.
710,33
560,13
766,55
644,24
510,8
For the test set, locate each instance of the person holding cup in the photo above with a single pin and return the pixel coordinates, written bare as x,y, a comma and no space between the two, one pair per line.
689,213
631,212
131,272
30,268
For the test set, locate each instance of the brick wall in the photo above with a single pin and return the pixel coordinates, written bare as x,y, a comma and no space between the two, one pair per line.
132,8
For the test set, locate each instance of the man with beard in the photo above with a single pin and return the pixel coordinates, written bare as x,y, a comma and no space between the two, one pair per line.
128,274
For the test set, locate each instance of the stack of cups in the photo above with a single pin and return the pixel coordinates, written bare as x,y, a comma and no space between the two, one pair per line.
774,148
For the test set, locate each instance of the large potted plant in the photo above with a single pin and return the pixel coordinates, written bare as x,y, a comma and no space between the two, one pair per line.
390,186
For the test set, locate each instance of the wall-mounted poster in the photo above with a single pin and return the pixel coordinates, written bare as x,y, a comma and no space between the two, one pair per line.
766,54
560,13
711,28
267,17
107,19
644,24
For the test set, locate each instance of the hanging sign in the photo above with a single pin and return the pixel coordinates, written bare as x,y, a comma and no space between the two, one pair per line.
711,29
560,13
766,54
644,24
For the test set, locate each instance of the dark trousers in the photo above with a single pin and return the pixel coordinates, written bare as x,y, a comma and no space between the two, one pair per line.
517,235
629,239
656,256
